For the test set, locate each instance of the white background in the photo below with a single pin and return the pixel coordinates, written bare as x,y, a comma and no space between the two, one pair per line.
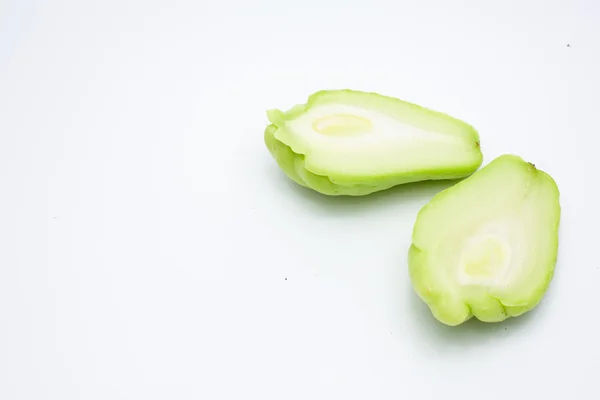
146,234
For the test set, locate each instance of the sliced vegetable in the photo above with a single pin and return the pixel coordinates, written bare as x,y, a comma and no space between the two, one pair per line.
487,246
344,142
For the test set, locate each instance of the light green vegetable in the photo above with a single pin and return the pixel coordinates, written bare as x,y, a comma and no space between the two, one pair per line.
344,142
487,246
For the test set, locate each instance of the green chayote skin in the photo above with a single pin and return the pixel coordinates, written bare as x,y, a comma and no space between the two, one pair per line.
456,155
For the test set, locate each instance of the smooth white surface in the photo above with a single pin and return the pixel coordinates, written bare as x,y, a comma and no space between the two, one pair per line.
392,143
152,250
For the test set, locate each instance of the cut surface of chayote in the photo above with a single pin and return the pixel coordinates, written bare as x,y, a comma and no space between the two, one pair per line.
346,142
487,246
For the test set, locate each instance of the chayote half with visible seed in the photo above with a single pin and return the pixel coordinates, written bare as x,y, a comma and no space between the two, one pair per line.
345,142
487,246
